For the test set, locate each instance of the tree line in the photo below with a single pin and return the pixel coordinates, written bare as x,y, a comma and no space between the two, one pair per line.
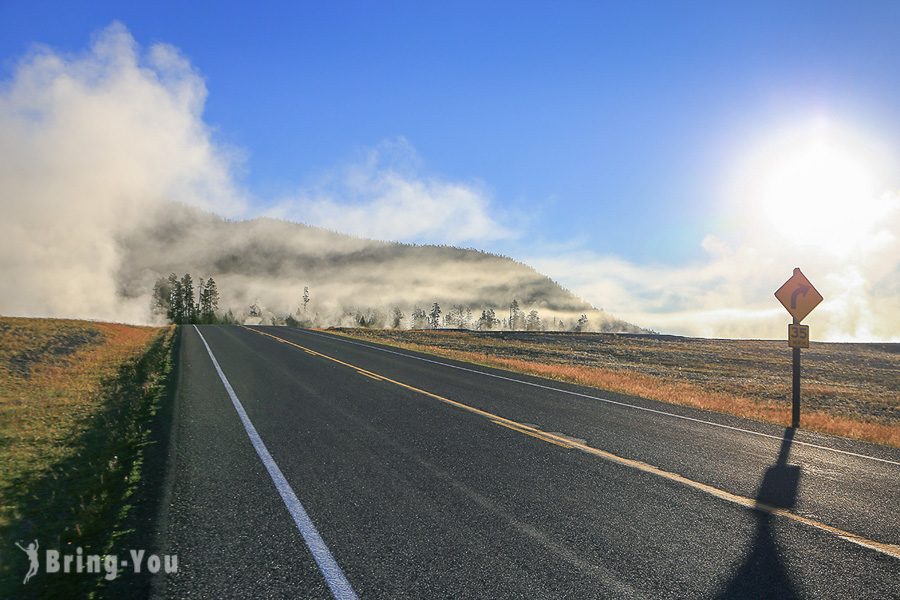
182,301
175,298
460,316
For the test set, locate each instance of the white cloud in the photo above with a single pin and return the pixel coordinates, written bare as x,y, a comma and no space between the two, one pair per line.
387,197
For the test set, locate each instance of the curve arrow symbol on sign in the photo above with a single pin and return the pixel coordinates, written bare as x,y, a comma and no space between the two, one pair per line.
798,296
803,289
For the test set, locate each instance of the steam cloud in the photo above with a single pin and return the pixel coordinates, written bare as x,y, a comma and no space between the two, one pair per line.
90,145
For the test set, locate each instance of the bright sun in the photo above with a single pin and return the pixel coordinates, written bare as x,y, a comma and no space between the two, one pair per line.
818,186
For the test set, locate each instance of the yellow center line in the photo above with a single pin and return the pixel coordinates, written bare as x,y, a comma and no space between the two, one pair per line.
533,433
892,550
370,375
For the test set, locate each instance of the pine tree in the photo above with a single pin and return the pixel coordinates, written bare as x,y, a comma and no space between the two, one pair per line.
176,300
212,300
582,324
435,316
515,315
487,320
457,316
397,318
200,307
162,298
187,299
419,318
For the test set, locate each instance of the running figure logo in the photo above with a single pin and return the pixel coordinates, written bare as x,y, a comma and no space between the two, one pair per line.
32,552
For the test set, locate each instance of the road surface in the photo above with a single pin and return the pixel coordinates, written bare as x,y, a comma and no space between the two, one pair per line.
329,467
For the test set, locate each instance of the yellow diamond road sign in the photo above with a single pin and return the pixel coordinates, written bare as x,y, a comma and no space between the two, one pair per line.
798,295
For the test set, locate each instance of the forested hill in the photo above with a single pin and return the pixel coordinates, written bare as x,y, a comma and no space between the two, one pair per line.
268,262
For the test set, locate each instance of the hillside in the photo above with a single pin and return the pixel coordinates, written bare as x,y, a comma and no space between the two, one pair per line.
268,262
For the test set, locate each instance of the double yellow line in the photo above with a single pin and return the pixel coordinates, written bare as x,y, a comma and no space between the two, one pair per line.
566,442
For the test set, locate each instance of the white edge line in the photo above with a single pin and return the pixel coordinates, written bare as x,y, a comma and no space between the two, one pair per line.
337,582
607,400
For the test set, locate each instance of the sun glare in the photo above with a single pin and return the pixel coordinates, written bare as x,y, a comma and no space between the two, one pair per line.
818,186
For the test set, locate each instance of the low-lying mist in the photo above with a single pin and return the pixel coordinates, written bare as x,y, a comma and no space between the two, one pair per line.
267,263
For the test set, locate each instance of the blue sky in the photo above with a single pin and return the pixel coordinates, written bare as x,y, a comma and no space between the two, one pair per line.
600,129
602,120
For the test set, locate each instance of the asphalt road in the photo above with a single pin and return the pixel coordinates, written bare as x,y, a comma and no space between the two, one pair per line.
385,474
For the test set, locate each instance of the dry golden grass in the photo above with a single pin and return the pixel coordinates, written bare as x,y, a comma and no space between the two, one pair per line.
51,372
745,379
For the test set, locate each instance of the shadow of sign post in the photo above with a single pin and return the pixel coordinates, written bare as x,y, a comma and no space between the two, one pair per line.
763,573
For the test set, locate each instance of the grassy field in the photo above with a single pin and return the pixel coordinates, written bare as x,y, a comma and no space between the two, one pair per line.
75,397
851,390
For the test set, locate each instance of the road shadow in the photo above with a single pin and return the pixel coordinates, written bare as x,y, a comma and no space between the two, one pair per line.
763,573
